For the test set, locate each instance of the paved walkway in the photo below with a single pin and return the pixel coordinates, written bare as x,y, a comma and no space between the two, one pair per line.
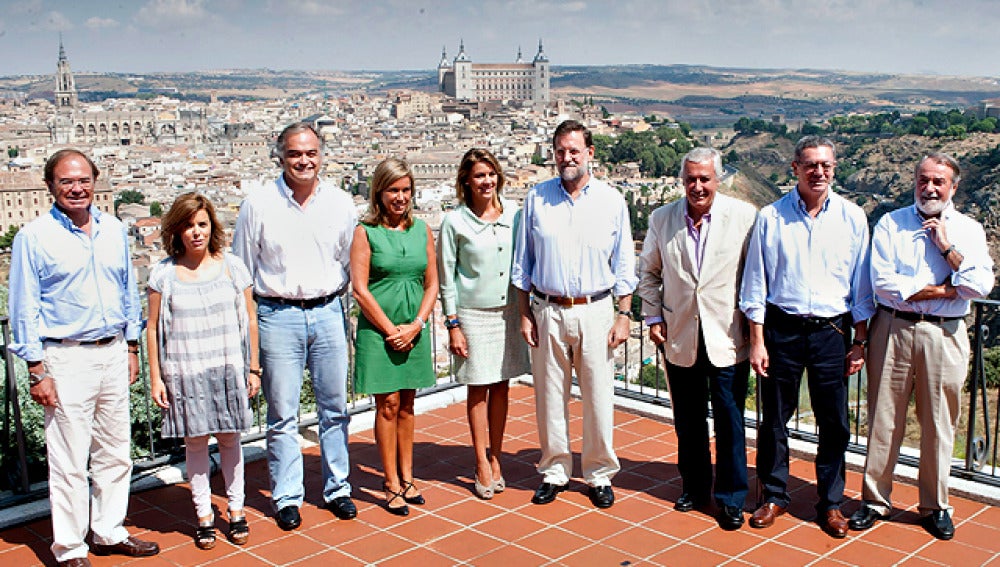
455,528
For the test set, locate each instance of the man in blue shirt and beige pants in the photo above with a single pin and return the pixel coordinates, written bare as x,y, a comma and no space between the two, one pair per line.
76,316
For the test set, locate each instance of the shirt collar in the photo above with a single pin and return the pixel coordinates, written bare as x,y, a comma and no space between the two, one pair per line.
478,225
945,214
286,191
63,219
802,204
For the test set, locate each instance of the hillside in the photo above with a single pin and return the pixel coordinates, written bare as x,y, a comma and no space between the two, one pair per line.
881,177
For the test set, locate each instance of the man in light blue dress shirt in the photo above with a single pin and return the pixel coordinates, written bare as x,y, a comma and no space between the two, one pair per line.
76,317
927,261
574,251
805,284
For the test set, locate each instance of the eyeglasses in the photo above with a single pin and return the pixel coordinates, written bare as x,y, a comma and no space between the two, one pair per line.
824,165
67,183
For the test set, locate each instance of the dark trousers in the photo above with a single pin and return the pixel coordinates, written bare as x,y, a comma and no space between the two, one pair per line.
690,390
819,348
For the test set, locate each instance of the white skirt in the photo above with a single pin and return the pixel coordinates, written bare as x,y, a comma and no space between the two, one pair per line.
497,351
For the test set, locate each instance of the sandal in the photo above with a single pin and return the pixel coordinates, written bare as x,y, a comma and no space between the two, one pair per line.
204,537
418,499
391,497
499,485
239,531
483,491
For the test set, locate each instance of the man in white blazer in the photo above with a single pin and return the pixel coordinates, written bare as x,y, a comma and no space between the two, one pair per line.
690,272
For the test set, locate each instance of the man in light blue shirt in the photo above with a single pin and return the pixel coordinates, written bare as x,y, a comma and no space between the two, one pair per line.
76,317
927,261
805,284
574,251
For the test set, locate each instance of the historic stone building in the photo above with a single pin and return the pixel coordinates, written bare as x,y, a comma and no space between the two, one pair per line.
127,123
478,82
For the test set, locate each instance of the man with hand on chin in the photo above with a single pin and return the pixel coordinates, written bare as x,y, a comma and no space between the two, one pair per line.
76,317
574,252
805,284
295,238
927,261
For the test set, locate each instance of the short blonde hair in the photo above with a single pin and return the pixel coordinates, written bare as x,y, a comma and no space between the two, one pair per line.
386,173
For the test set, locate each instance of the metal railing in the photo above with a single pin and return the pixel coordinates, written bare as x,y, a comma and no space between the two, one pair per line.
642,376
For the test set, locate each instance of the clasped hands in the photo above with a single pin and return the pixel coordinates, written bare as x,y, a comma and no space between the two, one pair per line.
404,336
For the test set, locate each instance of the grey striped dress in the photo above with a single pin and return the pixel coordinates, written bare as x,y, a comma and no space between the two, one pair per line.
204,347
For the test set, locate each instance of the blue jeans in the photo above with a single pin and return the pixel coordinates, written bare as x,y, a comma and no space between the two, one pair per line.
292,339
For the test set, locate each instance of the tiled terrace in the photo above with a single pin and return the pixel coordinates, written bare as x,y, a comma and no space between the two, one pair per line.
455,528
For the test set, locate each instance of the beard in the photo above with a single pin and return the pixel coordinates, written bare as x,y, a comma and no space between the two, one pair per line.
573,172
933,207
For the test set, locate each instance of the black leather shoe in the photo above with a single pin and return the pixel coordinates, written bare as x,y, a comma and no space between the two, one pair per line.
730,517
343,508
547,493
601,496
288,518
864,518
939,524
688,502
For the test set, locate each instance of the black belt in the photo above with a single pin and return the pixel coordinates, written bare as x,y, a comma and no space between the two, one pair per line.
911,316
97,342
779,315
303,303
571,301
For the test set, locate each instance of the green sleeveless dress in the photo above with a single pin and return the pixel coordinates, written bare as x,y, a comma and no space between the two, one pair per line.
396,280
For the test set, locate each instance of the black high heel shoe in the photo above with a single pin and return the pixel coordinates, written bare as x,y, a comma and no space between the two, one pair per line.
391,497
417,500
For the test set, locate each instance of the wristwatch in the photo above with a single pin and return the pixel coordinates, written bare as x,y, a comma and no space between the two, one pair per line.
625,312
36,379
452,323
860,342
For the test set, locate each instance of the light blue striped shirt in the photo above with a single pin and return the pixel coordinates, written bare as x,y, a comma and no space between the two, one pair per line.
66,284
808,266
575,248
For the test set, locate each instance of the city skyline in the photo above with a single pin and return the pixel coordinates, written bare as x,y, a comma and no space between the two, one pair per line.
891,36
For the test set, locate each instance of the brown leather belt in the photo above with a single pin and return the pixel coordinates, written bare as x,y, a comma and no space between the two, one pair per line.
303,303
917,317
571,301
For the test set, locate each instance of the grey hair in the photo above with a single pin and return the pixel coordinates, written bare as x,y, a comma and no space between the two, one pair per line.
941,158
291,130
807,142
703,155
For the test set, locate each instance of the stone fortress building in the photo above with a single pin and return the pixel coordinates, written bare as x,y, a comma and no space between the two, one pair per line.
479,82
124,123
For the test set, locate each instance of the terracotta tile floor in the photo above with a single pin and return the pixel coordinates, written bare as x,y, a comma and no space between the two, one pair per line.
455,528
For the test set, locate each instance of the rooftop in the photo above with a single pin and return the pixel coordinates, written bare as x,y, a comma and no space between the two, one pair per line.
455,528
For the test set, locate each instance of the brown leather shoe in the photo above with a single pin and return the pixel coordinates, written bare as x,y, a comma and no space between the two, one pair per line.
132,547
765,515
76,562
833,523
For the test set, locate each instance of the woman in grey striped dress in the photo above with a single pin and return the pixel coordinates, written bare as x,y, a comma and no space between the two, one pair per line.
203,367
474,254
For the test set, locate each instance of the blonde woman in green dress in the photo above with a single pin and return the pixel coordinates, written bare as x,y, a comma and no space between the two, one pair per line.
395,282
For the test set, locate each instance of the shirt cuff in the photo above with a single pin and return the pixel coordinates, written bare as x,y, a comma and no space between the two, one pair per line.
650,321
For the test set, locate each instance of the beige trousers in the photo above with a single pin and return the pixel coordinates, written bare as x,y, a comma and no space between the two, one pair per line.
929,360
574,338
90,422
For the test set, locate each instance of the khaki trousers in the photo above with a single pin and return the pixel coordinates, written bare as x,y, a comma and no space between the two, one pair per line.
574,338
930,360
91,421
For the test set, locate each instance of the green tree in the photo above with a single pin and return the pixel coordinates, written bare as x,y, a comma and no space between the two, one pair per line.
129,196
12,152
652,376
156,209
537,159
7,239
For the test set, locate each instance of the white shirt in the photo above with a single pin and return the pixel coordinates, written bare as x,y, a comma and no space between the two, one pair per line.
292,251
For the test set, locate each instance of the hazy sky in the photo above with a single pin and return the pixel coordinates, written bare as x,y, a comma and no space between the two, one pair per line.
959,37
